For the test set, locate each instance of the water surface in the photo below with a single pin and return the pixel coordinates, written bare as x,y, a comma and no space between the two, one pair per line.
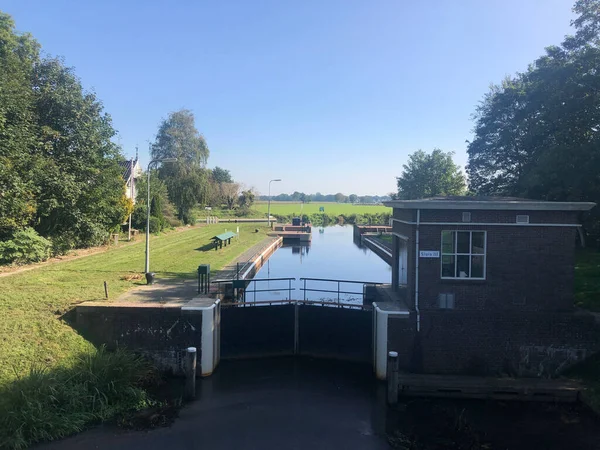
332,255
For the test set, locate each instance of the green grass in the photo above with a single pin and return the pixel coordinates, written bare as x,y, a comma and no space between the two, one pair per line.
31,302
289,208
50,404
587,279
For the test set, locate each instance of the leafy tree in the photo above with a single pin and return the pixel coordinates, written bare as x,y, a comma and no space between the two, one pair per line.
18,55
352,198
186,179
429,175
339,197
246,198
59,169
220,175
536,133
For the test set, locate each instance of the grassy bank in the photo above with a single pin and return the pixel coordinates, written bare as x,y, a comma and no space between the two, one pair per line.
32,302
587,279
332,209
32,335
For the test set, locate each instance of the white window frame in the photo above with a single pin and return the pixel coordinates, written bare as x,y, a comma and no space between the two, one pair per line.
470,255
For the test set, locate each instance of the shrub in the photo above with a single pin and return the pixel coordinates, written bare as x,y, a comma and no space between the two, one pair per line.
155,225
62,244
26,246
173,222
189,218
52,404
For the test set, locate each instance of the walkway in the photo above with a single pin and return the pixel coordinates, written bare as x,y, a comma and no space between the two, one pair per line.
178,290
274,404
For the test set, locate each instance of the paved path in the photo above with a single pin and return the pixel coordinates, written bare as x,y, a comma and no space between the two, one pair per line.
270,404
179,290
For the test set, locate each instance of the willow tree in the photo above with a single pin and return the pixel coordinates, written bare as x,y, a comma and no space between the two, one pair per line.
187,178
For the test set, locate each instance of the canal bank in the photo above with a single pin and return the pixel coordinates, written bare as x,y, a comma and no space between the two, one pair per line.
303,403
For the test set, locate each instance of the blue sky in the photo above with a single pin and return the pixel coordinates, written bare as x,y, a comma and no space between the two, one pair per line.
329,95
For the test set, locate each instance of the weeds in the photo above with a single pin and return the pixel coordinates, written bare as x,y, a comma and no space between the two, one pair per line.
52,404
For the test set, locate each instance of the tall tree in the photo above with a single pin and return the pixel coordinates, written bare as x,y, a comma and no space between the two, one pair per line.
18,54
221,175
537,133
186,179
246,198
429,175
58,165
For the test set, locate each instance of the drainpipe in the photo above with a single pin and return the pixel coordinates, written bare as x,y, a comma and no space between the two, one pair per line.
417,272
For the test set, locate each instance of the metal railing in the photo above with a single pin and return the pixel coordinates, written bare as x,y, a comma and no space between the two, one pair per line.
239,288
337,291
297,302
255,280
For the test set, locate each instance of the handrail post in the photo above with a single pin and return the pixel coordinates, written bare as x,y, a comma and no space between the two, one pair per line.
338,292
305,289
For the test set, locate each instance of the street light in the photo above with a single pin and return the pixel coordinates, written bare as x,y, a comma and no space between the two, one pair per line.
269,207
154,161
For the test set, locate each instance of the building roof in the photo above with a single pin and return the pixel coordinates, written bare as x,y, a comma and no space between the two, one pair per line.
126,168
483,202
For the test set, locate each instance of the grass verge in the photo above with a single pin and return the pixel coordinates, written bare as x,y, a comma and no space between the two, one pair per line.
587,279
48,404
37,348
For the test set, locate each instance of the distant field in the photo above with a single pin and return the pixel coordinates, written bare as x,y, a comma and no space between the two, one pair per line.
288,208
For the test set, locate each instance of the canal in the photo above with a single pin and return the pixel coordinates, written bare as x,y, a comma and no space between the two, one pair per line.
332,254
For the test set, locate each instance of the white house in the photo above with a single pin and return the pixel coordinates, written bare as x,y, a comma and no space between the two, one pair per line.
131,172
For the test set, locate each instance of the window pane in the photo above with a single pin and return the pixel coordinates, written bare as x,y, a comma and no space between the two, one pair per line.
478,242
477,266
462,266
448,266
447,242
463,242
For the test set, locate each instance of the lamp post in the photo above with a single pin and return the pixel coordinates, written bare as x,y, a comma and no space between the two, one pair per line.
154,161
269,206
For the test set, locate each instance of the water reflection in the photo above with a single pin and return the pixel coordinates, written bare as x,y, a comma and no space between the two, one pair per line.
332,254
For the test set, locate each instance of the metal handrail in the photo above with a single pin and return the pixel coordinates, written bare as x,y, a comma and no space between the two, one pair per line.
289,280
340,281
298,302
338,291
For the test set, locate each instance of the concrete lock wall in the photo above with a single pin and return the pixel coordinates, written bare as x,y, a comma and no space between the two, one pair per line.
161,333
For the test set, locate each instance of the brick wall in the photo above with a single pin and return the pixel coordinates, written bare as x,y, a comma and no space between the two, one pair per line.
528,268
161,333
481,343
523,344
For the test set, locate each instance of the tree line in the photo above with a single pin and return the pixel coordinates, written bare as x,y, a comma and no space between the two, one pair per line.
536,133
60,182
61,186
179,186
318,197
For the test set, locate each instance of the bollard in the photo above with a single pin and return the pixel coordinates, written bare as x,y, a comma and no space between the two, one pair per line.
190,373
392,378
105,289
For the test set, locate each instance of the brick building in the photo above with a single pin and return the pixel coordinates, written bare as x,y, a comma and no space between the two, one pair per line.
487,285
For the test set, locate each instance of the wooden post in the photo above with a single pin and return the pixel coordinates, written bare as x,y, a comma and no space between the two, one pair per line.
105,289
190,373
392,378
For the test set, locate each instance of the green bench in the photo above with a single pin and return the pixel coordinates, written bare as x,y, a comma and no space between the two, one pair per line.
219,239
